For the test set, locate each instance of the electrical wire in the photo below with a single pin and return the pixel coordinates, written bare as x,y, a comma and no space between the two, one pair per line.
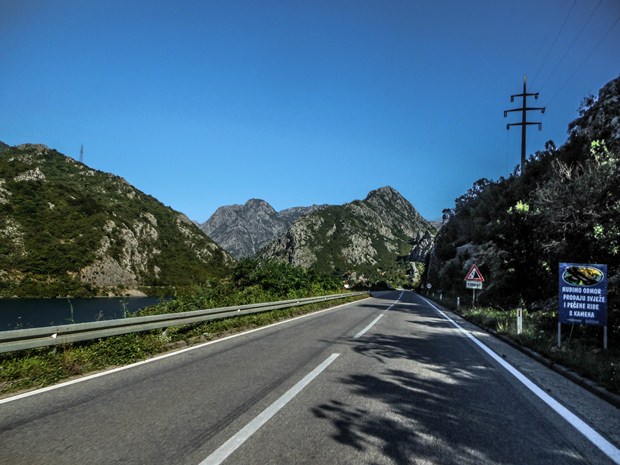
584,60
571,44
537,136
557,36
548,30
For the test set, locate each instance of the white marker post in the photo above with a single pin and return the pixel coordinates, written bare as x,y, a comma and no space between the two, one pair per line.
519,320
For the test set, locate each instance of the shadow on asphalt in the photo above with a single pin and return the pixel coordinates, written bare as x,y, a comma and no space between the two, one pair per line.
444,404
385,295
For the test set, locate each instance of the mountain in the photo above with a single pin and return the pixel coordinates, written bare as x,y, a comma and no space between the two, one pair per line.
3,146
65,227
379,238
242,230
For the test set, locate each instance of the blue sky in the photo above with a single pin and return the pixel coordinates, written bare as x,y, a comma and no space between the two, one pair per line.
209,103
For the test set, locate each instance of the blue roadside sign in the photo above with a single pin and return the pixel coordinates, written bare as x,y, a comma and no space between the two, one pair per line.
583,294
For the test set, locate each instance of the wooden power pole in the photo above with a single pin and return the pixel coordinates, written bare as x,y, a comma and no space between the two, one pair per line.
524,109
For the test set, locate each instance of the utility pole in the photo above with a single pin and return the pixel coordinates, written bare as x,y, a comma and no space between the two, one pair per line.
82,153
524,109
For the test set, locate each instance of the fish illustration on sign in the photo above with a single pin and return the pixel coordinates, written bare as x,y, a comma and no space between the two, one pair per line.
582,275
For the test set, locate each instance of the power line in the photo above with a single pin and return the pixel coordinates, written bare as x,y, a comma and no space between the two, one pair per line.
571,44
544,42
584,60
554,41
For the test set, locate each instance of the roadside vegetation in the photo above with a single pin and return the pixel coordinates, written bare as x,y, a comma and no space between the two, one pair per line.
581,348
252,281
562,207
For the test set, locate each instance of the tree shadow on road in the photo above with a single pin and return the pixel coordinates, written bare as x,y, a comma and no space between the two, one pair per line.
441,406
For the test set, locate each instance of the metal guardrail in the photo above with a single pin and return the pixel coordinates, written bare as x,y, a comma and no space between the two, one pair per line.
21,339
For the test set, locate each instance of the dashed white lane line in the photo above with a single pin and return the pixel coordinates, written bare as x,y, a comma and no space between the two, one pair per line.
363,331
247,431
595,438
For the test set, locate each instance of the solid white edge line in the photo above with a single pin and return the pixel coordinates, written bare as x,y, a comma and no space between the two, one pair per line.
594,437
222,452
161,357
363,331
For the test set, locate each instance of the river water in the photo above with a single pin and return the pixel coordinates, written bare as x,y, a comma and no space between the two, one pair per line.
33,313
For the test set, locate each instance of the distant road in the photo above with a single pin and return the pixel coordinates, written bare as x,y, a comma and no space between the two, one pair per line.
380,381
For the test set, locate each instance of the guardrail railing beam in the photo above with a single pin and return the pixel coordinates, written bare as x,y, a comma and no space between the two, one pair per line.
22,339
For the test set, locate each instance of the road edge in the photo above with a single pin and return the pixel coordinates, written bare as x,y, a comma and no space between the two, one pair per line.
588,384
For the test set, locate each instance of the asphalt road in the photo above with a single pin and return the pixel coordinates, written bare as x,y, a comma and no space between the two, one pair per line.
379,381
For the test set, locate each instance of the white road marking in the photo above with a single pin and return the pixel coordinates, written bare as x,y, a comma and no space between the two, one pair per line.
160,357
247,431
599,441
363,331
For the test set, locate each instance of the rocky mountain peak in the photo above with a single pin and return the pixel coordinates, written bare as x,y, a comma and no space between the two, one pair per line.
385,192
243,230
390,204
258,204
37,149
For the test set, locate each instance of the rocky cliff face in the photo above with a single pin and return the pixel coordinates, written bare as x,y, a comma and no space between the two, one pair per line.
64,226
600,118
242,230
377,236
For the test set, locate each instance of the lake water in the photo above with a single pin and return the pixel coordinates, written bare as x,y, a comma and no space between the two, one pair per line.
33,313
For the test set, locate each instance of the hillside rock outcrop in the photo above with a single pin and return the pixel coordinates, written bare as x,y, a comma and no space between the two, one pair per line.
600,119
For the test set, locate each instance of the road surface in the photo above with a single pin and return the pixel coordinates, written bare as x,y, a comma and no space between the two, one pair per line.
386,380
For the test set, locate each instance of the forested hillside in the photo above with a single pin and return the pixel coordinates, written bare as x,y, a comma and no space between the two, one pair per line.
564,207
68,229
381,240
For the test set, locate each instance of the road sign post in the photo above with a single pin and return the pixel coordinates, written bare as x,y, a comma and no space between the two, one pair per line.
473,281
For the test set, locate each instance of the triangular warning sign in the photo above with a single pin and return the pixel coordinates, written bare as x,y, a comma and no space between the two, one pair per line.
474,275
